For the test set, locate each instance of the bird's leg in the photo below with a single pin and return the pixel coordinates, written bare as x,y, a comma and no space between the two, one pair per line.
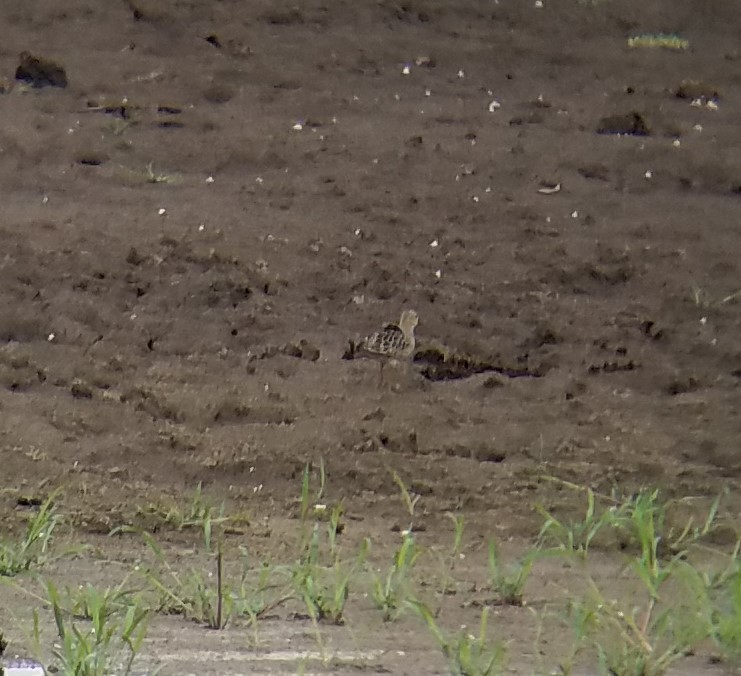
380,373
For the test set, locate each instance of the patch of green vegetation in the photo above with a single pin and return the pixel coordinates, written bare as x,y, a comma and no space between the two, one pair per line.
33,548
198,514
508,581
467,654
107,642
391,592
671,597
658,41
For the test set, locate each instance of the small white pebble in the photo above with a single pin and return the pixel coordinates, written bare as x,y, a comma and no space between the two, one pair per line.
676,143
397,97
358,232
438,273
433,243
259,179
428,92
406,70
298,126
487,190
461,73
703,320
201,227
475,198
210,179
711,105
574,214
320,508
334,120
648,174
539,4
162,211
45,199
51,337
697,127
132,317
494,105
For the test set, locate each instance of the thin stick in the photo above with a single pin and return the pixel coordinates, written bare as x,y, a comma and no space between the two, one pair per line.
218,588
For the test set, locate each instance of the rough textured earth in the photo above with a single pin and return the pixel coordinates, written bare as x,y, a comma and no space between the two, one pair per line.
226,194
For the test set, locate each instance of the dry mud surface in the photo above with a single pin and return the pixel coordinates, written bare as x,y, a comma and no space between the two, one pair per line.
225,194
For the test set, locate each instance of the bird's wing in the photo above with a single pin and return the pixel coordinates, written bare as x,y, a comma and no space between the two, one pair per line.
382,341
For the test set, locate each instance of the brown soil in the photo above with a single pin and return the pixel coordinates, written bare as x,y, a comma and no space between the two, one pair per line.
225,194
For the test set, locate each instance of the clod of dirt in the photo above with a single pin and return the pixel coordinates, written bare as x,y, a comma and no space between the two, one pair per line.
217,93
171,124
489,455
682,385
421,487
694,89
413,527
442,364
91,159
290,17
121,109
301,350
135,11
169,110
597,172
532,117
492,382
652,331
375,414
133,257
403,443
425,62
631,124
213,40
613,366
27,501
40,72
81,390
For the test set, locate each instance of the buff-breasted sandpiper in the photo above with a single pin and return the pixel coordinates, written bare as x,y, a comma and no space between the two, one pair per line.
394,342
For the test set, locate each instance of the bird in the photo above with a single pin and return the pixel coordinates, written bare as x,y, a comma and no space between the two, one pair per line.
394,342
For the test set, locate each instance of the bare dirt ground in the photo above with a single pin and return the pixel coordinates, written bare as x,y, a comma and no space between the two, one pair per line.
226,193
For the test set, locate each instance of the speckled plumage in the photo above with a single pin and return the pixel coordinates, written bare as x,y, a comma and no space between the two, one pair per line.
392,342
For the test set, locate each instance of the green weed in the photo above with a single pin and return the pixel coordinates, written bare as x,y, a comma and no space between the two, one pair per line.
575,537
508,582
448,585
467,654
33,549
390,593
108,643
